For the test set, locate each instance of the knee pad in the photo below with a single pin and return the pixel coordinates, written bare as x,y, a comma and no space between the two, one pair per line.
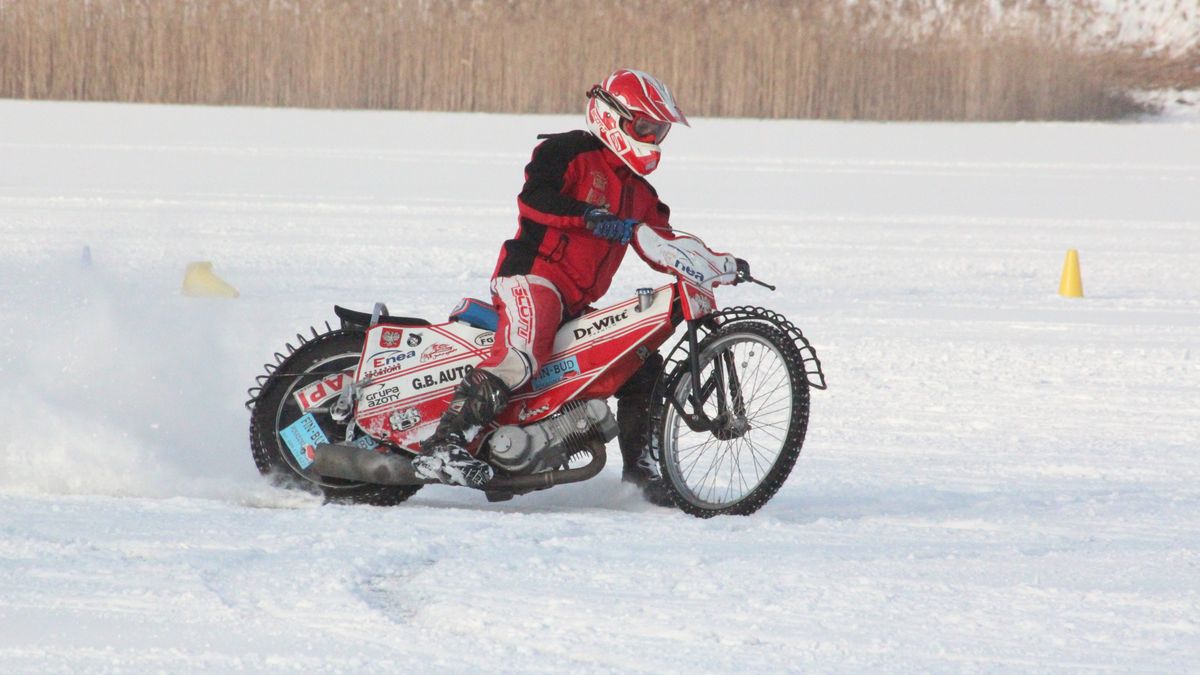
484,396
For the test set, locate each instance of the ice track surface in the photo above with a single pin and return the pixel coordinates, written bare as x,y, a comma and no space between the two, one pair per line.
997,479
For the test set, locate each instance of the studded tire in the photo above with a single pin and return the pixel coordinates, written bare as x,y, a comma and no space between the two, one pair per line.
776,399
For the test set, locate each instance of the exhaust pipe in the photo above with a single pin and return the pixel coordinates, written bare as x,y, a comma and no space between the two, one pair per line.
543,479
350,462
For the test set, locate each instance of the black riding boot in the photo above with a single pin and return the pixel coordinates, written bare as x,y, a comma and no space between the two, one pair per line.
633,422
444,455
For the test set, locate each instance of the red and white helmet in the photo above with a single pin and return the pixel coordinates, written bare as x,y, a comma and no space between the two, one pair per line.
631,113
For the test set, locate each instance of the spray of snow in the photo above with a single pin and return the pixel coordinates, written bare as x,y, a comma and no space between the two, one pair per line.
117,390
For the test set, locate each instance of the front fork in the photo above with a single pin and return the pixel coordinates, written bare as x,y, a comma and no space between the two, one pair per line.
725,384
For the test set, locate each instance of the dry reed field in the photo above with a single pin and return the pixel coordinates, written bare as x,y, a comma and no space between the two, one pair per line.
770,58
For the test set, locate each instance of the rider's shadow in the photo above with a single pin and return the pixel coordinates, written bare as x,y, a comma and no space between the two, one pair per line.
606,492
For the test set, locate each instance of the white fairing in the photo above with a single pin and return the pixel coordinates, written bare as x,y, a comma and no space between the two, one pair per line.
686,255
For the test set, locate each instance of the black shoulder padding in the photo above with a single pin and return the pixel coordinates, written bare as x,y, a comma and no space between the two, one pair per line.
576,141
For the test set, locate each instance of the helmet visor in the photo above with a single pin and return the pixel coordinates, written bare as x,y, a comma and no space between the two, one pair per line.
647,129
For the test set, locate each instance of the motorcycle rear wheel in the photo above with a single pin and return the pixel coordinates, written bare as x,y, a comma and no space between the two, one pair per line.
275,409
735,470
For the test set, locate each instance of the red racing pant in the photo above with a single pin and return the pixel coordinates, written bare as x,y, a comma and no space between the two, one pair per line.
531,311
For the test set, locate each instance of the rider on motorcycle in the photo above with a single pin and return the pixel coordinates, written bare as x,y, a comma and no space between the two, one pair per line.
584,193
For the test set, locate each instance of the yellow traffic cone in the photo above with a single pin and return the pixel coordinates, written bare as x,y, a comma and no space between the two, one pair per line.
199,281
1072,284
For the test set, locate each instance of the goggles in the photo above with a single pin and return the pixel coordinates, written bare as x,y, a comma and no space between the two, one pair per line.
646,129
637,124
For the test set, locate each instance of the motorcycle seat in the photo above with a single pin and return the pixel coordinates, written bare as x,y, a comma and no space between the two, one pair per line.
476,313
358,319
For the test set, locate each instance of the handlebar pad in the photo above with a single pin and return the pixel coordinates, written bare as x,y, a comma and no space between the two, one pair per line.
685,256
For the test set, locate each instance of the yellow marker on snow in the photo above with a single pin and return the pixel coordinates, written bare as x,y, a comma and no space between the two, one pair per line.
199,281
1071,285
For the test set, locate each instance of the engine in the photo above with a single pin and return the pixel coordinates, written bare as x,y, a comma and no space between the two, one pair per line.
550,443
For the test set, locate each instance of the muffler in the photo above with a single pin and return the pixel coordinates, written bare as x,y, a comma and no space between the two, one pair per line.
363,465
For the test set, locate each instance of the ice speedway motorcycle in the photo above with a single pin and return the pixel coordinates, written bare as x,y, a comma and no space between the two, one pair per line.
344,410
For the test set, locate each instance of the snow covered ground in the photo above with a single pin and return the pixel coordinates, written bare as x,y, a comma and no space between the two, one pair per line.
997,478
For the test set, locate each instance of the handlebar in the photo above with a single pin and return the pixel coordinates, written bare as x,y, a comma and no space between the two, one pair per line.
743,267
743,274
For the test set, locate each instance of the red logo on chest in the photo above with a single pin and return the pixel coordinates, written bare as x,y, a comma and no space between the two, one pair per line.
598,190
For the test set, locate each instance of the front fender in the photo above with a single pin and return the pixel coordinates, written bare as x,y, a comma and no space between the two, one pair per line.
812,364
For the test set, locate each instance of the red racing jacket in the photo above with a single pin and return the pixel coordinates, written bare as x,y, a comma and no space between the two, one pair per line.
569,174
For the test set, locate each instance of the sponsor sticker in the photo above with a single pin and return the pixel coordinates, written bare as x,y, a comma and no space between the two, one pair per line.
382,397
524,306
687,270
601,325
365,442
449,375
556,371
321,391
403,420
700,302
302,437
382,363
436,351
389,338
485,339
526,413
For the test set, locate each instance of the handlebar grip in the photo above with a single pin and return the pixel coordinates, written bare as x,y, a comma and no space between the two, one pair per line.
743,274
743,268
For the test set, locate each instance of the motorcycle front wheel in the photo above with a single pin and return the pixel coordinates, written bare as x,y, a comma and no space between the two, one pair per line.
737,466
